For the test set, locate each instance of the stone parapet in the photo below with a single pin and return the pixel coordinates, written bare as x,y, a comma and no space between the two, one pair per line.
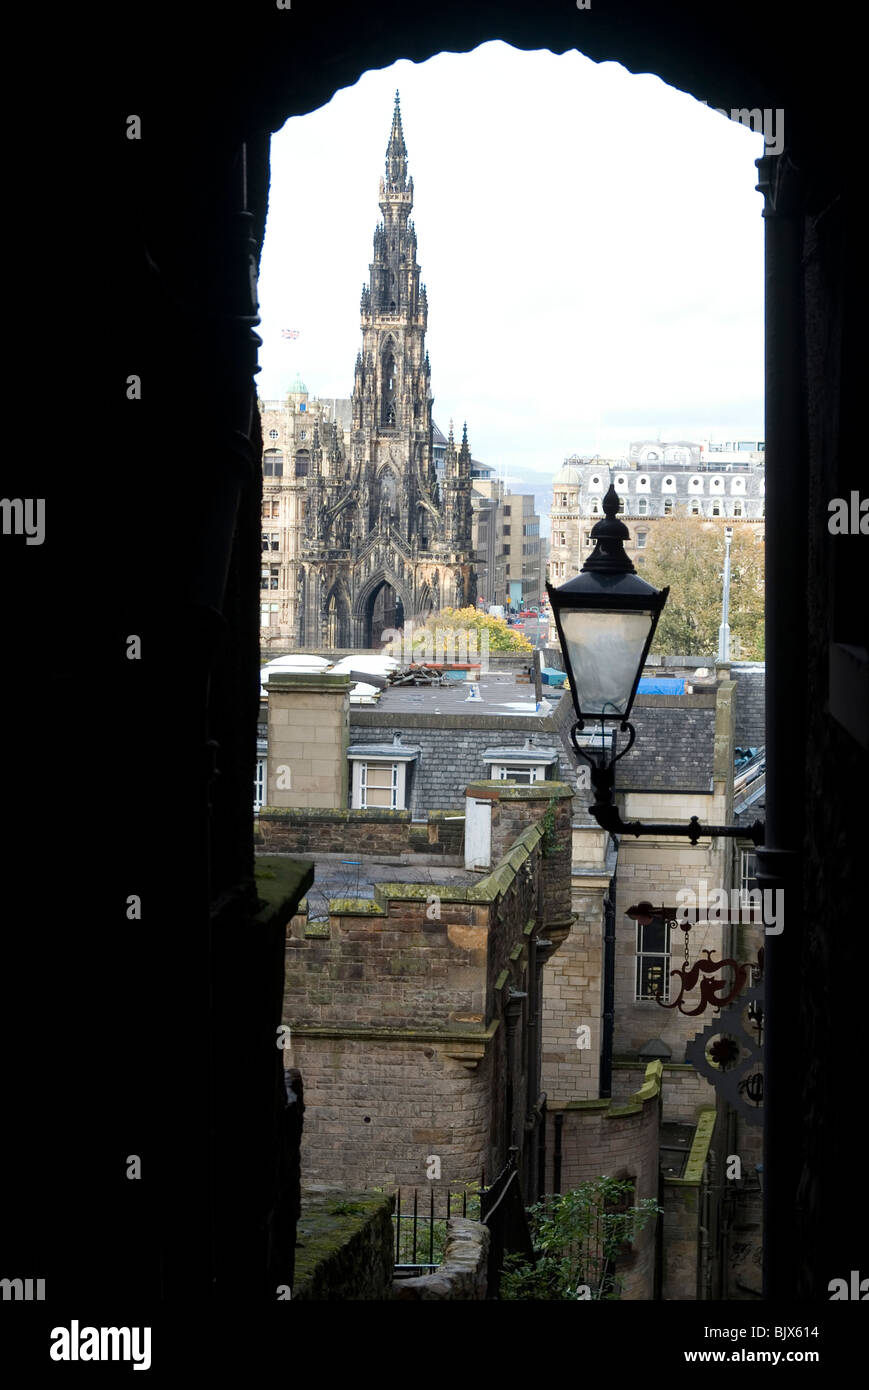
462,1272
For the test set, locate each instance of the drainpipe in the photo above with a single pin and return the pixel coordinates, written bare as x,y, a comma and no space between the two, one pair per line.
703,1291
541,949
512,1014
556,1158
779,858
609,992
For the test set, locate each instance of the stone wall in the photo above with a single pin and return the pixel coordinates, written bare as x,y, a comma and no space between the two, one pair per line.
602,1138
402,1012
683,1210
462,1272
572,985
308,737
685,1092
680,1233
344,1247
379,1108
655,871
334,831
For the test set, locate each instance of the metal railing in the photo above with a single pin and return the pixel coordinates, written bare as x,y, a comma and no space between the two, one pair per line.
503,1211
420,1224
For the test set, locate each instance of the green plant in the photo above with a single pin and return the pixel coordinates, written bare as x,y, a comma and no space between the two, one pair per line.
577,1236
550,843
346,1209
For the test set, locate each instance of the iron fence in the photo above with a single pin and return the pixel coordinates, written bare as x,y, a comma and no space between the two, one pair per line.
420,1224
503,1211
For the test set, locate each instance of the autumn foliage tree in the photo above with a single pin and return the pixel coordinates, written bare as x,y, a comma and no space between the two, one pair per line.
502,638
688,554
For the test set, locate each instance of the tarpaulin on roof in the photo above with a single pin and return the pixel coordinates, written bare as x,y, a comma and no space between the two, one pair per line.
552,676
661,685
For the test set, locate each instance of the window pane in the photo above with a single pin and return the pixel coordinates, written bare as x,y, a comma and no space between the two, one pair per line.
654,937
379,799
652,975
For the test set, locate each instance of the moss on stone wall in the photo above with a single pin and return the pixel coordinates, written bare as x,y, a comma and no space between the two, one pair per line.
344,1247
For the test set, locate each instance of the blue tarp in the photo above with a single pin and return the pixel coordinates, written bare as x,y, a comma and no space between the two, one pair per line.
661,685
552,676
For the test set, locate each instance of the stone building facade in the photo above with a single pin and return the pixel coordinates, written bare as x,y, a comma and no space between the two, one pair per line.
380,538
300,434
523,575
369,979
507,545
683,479
414,1008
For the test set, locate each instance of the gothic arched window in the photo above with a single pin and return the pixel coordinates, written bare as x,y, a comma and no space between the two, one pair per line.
389,383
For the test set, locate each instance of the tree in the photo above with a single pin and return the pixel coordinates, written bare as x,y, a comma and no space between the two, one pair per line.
688,554
577,1236
502,638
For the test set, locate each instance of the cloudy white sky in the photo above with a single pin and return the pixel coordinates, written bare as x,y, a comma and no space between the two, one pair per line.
591,242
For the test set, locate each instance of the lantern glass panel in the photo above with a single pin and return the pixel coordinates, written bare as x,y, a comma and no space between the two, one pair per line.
604,650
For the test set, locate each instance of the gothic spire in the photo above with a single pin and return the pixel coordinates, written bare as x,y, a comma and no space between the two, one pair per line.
396,151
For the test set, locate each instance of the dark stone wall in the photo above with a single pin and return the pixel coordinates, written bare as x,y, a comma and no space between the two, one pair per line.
154,231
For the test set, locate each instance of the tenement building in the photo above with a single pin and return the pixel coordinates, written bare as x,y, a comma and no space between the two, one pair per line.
380,538
655,481
299,434
440,1010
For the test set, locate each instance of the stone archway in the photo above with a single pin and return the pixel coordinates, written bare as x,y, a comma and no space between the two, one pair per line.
336,617
381,604
384,611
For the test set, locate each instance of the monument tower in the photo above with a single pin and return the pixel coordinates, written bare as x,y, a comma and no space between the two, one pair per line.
385,542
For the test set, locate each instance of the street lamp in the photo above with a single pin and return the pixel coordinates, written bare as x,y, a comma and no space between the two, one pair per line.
606,618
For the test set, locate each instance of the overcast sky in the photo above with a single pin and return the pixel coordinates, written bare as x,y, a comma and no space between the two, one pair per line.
591,242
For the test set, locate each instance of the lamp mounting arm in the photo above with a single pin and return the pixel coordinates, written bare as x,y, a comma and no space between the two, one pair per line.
608,815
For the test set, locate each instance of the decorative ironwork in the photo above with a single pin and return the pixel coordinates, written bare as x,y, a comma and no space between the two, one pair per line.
724,1052
752,1087
710,990
729,1056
